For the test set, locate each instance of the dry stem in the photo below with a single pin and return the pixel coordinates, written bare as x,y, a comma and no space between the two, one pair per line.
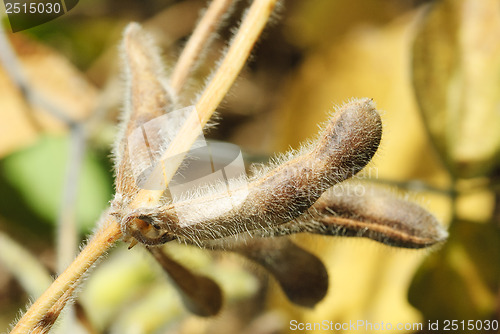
233,62
99,244
197,42
50,317
241,46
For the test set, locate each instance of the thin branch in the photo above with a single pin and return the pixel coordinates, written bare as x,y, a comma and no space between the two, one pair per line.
239,50
67,234
241,46
100,243
197,42
67,228
67,231
49,319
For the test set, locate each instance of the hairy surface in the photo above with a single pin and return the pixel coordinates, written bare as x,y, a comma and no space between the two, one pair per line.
378,215
297,192
364,210
283,193
290,195
149,97
301,275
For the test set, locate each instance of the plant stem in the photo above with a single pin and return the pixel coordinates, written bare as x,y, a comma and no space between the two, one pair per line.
49,319
239,50
100,243
197,42
248,33
67,234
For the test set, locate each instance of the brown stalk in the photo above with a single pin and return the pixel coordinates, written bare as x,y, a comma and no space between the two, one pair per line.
99,244
233,62
49,319
197,42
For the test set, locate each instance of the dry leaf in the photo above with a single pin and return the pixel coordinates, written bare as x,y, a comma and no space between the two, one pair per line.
456,69
53,77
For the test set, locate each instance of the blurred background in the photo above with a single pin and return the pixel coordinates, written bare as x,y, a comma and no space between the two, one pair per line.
433,69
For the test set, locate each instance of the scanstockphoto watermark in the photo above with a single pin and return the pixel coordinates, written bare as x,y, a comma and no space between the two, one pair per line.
355,185
357,325
452,326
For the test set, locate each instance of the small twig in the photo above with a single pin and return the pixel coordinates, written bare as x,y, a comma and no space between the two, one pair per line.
240,49
67,229
103,239
66,241
50,318
67,234
197,42
412,185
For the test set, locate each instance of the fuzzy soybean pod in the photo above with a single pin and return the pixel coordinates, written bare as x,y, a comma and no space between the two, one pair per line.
279,193
377,214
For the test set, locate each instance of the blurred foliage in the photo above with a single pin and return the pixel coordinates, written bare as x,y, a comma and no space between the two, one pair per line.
433,68
456,74
456,61
35,173
52,75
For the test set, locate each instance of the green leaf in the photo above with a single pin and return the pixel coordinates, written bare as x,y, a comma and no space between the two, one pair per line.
38,173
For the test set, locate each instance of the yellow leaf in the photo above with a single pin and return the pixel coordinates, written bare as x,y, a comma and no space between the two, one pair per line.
53,77
456,69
